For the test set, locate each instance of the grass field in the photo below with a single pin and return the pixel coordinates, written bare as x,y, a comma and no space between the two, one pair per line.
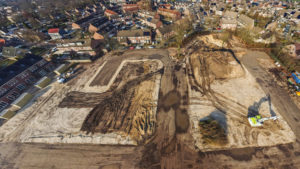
6,62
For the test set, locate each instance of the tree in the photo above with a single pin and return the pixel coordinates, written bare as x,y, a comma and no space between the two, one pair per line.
182,28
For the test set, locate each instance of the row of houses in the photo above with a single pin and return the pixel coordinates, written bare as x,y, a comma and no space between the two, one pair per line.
19,76
80,47
140,36
232,20
150,19
174,14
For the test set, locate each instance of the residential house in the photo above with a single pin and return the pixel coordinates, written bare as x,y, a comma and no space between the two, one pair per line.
130,8
146,14
139,36
110,14
118,1
83,23
166,6
149,19
12,52
105,31
2,42
79,47
55,33
229,20
98,24
16,78
174,14
9,52
164,32
152,22
245,22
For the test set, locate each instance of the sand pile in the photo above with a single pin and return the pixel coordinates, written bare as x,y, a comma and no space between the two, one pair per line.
219,66
212,40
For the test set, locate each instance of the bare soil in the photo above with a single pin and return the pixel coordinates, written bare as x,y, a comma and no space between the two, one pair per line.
69,114
104,76
76,99
172,145
232,91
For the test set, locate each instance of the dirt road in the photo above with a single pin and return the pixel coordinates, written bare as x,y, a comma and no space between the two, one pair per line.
172,146
66,156
279,96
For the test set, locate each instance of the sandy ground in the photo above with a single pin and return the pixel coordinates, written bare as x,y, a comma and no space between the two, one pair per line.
244,91
229,88
172,146
45,122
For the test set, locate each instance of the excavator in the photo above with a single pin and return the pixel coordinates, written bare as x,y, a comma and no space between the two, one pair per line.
255,118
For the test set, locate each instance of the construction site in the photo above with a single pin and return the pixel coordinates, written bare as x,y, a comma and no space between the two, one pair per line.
222,95
156,111
100,112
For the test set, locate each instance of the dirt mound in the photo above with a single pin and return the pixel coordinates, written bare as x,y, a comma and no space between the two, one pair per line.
212,132
221,65
212,40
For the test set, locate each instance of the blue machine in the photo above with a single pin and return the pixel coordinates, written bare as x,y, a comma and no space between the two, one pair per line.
296,77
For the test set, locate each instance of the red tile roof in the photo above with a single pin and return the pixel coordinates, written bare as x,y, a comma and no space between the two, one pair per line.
110,12
166,5
2,42
131,9
53,30
169,11
130,5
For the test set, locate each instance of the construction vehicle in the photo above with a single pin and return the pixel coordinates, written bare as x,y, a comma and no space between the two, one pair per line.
255,118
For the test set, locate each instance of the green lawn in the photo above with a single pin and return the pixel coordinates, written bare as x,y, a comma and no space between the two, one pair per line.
6,62
38,50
